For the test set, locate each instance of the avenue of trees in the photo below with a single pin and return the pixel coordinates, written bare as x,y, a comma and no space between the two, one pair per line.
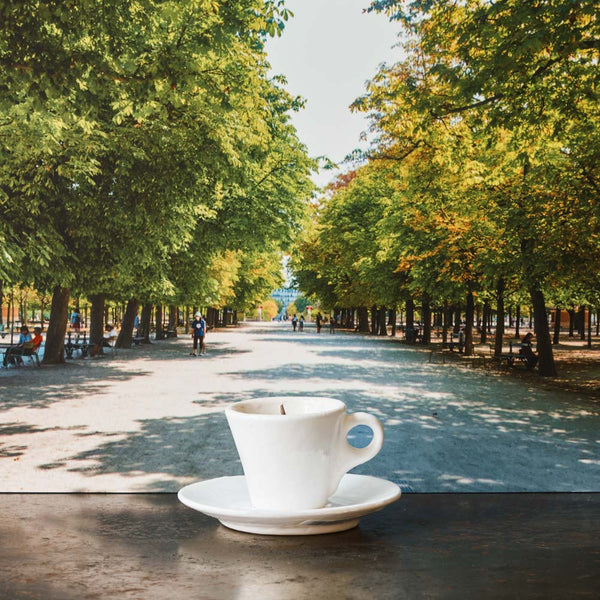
146,156
481,190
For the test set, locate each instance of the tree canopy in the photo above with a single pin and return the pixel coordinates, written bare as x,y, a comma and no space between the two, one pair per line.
144,149
483,178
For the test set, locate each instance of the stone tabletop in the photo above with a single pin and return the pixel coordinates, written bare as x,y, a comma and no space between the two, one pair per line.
150,546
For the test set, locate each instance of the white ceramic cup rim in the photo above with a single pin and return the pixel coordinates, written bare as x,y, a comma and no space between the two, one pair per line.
329,406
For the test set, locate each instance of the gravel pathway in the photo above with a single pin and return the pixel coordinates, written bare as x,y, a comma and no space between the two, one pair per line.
151,418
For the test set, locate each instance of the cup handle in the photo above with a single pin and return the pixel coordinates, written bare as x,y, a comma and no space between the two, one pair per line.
351,456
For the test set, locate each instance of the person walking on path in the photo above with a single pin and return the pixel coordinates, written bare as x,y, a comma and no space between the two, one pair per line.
294,322
332,324
198,333
76,320
301,323
319,322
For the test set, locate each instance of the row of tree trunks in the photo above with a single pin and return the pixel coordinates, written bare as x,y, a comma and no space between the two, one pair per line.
55,335
54,351
345,318
212,317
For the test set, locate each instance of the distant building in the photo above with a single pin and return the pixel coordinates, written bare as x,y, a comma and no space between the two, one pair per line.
285,295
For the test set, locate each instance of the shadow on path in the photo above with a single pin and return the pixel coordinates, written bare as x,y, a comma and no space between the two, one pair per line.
447,428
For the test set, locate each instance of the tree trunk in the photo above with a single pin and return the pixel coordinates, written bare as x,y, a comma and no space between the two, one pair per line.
363,319
582,323
410,313
351,319
24,312
571,322
187,320
55,337
589,328
160,332
374,326
42,307
2,302
146,323
126,334
546,365
97,321
499,338
484,321
469,313
557,316
518,322
447,321
382,323
457,320
426,317
393,321
173,319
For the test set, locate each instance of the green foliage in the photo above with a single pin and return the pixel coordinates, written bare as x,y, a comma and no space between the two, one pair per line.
486,165
144,151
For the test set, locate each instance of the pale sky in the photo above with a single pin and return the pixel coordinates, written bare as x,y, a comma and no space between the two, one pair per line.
327,52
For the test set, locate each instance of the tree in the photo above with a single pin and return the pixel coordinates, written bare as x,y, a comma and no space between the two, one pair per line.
119,139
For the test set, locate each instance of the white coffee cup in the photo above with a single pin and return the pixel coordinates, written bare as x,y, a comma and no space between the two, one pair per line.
295,461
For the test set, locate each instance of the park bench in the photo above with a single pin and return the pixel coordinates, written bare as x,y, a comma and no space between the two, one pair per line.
451,343
78,342
514,356
412,335
17,354
171,333
484,353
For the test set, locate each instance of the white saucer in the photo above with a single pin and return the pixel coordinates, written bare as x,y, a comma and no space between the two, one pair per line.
226,499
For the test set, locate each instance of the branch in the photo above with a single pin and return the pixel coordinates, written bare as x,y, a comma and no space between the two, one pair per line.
460,109
400,158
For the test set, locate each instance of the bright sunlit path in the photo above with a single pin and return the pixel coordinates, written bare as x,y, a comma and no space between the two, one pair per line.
151,419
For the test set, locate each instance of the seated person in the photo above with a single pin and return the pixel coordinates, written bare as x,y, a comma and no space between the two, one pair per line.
13,354
110,336
526,350
37,338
